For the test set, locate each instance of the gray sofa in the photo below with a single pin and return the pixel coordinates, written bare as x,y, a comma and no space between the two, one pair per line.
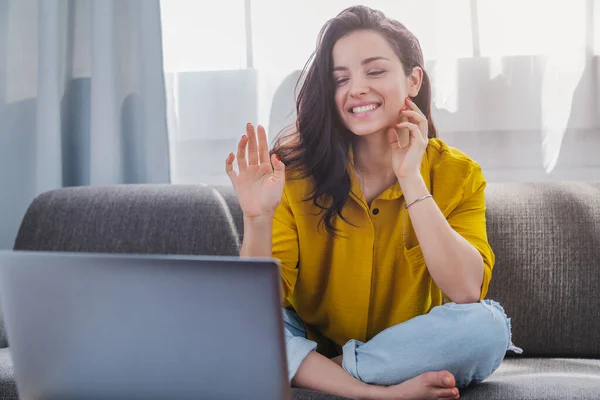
546,237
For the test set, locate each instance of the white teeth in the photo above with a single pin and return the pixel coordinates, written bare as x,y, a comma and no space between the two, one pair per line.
362,109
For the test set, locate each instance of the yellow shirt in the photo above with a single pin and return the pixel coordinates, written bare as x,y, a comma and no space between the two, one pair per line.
373,275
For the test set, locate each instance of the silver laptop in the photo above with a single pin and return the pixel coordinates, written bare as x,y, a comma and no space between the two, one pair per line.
91,326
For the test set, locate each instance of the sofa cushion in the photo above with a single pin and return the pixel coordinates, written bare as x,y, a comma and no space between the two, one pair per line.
303,394
8,388
546,237
539,378
164,219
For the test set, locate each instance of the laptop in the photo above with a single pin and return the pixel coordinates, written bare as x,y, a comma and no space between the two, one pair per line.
100,326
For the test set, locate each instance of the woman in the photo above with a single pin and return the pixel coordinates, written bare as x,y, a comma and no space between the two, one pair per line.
375,223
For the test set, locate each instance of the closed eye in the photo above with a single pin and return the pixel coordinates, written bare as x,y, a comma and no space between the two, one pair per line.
376,73
341,81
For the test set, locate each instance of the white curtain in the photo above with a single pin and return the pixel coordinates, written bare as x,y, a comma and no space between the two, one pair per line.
516,83
82,99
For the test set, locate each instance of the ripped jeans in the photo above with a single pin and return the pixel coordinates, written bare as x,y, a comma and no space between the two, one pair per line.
468,340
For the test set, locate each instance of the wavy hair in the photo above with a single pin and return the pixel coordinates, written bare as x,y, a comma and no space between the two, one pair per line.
319,144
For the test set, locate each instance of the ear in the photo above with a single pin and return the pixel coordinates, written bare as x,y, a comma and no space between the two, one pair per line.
414,81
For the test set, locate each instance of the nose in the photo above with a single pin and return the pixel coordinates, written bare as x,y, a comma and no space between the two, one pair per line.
358,88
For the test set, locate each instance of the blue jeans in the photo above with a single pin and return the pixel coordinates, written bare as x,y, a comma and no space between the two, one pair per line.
468,340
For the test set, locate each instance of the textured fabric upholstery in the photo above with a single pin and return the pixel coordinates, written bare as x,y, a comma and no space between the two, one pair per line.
302,394
540,378
165,219
8,388
546,237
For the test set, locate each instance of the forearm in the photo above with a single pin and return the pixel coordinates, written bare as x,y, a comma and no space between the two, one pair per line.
454,264
258,237
317,372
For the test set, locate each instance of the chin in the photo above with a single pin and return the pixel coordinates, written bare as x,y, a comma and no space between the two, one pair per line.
367,130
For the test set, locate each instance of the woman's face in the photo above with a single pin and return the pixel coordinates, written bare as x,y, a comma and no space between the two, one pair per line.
370,83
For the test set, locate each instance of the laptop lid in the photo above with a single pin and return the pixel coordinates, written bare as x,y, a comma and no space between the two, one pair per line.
99,326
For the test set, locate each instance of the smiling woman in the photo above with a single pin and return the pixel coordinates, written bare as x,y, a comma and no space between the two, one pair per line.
372,232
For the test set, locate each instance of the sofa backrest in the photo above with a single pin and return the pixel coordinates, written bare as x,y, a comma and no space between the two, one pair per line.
546,237
160,219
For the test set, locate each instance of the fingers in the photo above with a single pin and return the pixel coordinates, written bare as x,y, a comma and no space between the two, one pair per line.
416,116
412,106
398,139
263,145
403,133
229,167
414,113
241,153
278,168
393,138
257,148
408,125
252,145
415,131
419,119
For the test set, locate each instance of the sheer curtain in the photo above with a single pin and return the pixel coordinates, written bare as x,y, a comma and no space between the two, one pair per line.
515,82
82,99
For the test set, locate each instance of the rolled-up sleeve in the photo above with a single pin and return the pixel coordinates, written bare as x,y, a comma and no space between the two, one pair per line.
285,246
468,219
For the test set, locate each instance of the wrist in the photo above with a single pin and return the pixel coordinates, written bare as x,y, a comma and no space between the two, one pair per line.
258,220
410,179
413,187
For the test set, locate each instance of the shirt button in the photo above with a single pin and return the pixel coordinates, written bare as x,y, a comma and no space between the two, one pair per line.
375,211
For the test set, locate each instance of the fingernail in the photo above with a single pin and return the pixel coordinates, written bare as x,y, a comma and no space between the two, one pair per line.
277,157
243,136
230,155
408,98
446,381
248,124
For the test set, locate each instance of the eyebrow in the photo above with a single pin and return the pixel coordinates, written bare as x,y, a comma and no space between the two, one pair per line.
364,62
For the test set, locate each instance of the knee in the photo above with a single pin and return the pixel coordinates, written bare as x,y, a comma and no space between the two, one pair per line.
486,339
486,326
496,326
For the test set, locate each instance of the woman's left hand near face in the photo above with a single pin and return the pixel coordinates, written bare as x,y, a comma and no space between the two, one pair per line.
406,160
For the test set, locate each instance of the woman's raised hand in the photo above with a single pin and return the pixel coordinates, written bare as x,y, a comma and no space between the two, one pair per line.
259,182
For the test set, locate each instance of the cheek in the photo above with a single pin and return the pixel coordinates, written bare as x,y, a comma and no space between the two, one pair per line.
394,101
395,105
392,111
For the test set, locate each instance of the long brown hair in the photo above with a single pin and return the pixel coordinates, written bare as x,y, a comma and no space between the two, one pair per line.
319,144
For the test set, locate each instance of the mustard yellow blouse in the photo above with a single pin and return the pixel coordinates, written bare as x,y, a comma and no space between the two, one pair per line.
373,275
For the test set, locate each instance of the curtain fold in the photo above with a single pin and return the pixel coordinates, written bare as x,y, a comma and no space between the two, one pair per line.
82,99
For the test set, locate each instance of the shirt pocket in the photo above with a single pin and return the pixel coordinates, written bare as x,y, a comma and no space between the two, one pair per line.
415,267
411,259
